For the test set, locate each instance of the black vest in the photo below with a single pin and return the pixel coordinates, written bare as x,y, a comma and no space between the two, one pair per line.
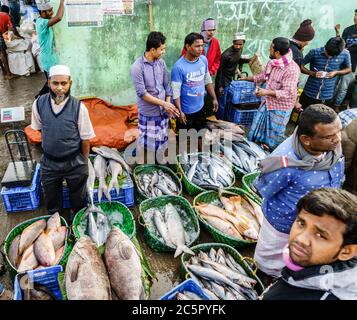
60,135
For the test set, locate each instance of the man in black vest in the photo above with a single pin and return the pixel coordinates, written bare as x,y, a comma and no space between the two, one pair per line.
66,131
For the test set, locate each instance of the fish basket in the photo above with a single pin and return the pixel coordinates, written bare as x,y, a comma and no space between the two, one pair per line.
247,181
218,236
206,247
47,277
151,238
127,225
19,229
191,188
187,285
148,168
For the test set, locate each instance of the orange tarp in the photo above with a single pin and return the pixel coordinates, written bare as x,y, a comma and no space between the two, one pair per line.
114,126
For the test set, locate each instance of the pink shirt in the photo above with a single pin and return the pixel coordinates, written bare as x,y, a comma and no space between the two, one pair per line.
284,81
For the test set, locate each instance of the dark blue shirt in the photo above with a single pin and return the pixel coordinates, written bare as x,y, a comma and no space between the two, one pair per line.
283,188
323,89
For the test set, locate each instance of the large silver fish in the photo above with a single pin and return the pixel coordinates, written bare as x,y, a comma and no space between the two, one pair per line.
115,169
112,153
100,168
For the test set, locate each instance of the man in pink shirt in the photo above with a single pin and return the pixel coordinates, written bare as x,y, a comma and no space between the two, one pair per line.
281,76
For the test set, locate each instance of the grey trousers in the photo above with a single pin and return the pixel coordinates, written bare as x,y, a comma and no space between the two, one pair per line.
74,172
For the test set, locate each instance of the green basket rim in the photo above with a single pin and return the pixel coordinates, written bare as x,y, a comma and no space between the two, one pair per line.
194,216
246,185
7,242
212,229
137,170
195,186
133,233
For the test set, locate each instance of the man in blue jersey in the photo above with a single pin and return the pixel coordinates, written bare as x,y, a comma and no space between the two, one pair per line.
189,79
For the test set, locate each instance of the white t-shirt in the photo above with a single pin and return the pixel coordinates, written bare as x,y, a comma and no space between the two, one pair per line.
85,127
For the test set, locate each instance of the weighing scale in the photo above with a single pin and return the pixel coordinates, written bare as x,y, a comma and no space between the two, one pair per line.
20,171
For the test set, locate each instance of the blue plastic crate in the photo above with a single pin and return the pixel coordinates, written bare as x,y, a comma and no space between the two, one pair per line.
244,117
23,198
188,285
243,92
47,277
125,196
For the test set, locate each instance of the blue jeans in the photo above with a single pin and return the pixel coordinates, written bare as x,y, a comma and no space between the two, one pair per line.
342,87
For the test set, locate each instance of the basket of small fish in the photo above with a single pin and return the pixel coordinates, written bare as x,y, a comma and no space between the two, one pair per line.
243,154
155,181
170,224
97,221
230,216
202,170
248,185
37,243
187,290
222,272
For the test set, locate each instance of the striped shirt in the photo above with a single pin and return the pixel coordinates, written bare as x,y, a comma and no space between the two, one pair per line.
282,80
323,89
347,116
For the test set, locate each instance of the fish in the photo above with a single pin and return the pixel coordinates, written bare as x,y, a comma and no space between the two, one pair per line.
161,227
116,170
44,250
112,153
90,182
182,296
176,230
53,223
28,260
104,227
14,255
93,228
124,266
223,226
86,277
59,255
220,124
100,168
58,237
156,184
30,234
187,295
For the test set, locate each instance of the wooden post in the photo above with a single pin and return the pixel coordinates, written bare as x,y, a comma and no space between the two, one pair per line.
151,22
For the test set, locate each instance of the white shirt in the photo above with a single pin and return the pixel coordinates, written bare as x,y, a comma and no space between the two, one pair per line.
85,127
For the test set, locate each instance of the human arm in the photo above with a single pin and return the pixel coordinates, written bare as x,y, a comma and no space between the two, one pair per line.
59,15
346,63
337,29
85,148
210,89
308,59
35,118
216,62
176,84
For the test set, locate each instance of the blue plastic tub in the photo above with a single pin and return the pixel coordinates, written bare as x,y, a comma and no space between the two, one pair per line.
47,277
243,92
23,198
188,285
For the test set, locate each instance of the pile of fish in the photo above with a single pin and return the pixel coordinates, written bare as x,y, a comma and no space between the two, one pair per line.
88,277
108,161
186,295
220,276
40,245
239,217
244,154
206,170
170,228
219,129
156,184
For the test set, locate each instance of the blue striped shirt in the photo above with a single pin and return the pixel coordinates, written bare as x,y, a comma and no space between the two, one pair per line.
323,89
347,116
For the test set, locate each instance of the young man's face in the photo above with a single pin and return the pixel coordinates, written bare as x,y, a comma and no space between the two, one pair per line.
47,14
159,52
326,138
60,86
315,240
195,49
272,53
210,33
238,45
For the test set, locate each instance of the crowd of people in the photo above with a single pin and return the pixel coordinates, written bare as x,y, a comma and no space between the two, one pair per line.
310,223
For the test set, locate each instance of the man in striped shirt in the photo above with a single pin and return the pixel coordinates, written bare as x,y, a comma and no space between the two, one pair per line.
326,64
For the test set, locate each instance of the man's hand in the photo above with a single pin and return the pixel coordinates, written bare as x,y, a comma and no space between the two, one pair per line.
261,92
182,118
331,74
337,29
215,105
298,106
171,110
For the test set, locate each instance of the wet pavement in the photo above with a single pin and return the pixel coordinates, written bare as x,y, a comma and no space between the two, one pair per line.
21,92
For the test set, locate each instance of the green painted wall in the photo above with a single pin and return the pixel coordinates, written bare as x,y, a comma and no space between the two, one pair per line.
100,58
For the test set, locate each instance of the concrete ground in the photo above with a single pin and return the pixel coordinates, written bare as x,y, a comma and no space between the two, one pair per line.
21,92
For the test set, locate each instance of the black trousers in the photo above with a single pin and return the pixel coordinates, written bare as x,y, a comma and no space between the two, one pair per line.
45,89
75,173
306,101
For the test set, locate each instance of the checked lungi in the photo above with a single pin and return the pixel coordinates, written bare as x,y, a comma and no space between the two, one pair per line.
269,126
153,131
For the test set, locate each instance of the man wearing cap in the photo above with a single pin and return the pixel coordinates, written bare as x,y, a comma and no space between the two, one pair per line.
44,23
230,59
66,131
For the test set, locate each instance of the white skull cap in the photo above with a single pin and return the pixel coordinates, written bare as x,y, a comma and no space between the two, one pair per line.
59,70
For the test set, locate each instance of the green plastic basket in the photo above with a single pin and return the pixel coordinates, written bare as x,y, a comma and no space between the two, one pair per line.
191,188
149,168
247,181
19,229
206,247
218,236
110,209
150,236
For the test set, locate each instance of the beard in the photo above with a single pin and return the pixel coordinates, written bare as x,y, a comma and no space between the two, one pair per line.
59,98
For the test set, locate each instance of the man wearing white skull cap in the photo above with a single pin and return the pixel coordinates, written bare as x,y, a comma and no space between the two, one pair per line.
44,23
66,130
